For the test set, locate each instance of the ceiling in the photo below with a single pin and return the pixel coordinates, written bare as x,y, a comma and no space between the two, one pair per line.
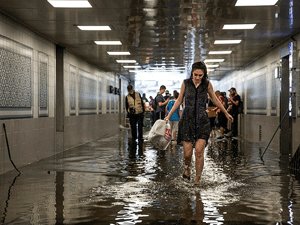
161,33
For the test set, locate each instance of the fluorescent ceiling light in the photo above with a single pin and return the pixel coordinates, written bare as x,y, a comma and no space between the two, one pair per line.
118,53
219,52
213,60
126,61
70,4
94,27
210,70
224,42
239,26
255,2
132,67
108,42
212,66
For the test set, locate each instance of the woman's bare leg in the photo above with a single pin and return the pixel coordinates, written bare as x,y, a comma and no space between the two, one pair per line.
187,154
199,159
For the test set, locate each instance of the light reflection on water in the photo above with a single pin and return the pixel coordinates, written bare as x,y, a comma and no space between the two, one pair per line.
110,182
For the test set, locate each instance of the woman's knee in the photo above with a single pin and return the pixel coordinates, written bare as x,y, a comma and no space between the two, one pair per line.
188,148
199,153
199,148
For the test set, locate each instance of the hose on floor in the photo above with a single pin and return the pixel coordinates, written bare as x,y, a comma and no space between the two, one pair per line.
8,149
279,125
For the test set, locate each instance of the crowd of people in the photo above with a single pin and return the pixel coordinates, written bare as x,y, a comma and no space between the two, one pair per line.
194,113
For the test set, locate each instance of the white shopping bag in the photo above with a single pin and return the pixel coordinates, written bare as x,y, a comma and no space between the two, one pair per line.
157,135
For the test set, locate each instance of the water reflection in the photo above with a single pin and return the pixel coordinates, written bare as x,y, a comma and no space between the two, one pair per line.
9,193
59,198
194,209
112,181
136,149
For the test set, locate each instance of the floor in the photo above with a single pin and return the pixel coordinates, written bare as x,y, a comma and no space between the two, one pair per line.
110,181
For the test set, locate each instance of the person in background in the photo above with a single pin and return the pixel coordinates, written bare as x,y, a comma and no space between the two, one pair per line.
222,120
212,114
161,103
234,101
146,102
135,111
174,119
152,110
194,126
225,98
167,95
144,98
223,94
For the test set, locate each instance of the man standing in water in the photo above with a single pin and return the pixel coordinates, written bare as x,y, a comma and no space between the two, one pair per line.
194,126
135,110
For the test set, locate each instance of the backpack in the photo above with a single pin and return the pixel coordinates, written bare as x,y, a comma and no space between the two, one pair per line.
169,106
154,104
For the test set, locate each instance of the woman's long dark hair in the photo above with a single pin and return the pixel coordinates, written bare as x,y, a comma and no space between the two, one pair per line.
200,65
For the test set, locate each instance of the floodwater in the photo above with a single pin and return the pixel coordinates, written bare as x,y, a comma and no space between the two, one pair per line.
111,182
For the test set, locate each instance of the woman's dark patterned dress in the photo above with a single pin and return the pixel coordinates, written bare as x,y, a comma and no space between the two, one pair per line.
194,123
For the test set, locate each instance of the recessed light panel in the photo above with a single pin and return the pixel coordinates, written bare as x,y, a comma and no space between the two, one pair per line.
255,2
108,42
126,61
238,26
225,42
118,53
212,65
213,60
70,3
94,27
132,67
219,52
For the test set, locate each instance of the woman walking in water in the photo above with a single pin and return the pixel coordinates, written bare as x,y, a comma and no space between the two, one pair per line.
194,126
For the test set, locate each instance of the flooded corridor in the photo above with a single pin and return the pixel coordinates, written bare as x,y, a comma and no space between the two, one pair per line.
112,182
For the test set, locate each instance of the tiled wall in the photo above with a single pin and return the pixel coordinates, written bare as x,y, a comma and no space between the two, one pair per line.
27,101
91,110
27,85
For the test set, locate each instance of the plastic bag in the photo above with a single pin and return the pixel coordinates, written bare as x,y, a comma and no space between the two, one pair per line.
157,135
168,133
